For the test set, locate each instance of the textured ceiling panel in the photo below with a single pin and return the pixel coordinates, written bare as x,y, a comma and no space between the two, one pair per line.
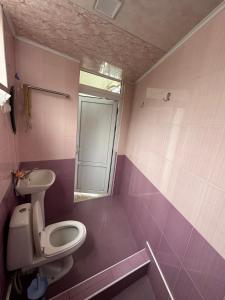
66,27
160,22
139,36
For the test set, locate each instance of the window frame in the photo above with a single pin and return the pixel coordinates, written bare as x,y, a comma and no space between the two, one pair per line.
4,84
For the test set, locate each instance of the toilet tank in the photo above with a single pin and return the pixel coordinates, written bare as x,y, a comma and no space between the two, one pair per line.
20,245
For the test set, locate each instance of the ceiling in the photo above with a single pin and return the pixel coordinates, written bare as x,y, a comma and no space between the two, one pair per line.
142,32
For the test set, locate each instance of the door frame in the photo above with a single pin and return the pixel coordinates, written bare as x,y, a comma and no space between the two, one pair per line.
95,92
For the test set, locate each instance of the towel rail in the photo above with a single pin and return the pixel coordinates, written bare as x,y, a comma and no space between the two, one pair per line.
47,91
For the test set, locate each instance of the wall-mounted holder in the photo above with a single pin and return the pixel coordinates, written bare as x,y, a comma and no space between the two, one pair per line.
46,90
142,104
167,98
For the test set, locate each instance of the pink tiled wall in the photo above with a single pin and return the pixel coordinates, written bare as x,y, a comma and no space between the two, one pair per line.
179,145
8,156
54,119
53,134
125,117
8,162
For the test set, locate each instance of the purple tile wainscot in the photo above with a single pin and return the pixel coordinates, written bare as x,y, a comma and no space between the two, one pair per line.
6,206
192,268
59,198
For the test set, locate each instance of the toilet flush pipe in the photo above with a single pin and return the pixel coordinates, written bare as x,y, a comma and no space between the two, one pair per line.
39,197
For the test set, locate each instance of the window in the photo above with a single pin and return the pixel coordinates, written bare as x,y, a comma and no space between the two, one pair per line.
110,70
100,82
3,73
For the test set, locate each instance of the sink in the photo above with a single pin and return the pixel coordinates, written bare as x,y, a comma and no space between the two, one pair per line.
35,182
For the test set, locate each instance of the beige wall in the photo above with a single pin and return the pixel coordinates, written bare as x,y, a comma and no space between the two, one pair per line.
180,145
53,133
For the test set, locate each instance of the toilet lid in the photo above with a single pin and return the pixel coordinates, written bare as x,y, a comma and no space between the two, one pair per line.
38,226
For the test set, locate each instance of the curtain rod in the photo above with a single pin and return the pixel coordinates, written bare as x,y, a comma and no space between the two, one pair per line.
47,91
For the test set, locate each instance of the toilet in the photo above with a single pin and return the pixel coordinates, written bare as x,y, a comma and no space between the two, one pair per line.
32,245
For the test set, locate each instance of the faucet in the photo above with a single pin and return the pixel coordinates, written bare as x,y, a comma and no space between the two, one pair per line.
21,174
26,173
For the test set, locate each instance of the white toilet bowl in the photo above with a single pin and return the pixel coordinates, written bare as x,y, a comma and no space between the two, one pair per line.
56,240
62,238
48,248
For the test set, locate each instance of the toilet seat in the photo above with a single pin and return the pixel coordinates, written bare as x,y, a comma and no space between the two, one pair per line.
58,239
77,236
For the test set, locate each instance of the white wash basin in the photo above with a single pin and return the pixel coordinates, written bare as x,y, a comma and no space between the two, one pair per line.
35,181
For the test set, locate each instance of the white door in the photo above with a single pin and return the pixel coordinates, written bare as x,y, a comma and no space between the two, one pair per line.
96,130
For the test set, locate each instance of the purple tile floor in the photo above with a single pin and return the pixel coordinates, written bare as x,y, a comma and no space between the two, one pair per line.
109,240
141,290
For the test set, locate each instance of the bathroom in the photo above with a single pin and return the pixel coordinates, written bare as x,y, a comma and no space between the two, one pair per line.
120,106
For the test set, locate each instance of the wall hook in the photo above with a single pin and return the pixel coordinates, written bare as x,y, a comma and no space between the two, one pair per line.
142,104
167,98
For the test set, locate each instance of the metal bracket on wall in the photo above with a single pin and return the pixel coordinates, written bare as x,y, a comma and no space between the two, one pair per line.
167,98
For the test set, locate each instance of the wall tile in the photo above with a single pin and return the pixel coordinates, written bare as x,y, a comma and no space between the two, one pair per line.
184,288
2,274
185,192
53,133
205,267
177,232
213,209
8,162
219,92
168,261
117,175
159,209
179,145
218,170
7,205
192,267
